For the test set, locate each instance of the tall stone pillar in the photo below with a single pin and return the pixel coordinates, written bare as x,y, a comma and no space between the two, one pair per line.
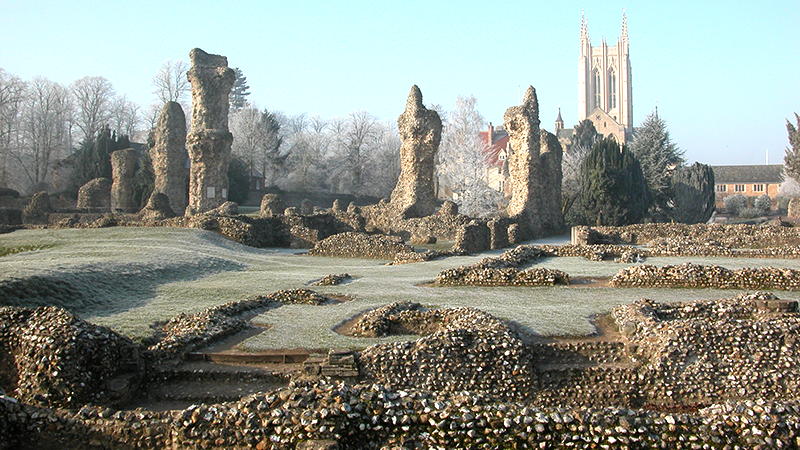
421,132
524,165
209,142
169,156
551,153
123,168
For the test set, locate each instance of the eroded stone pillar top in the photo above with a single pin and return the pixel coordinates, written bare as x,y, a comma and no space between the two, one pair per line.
197,58
417,120
524,116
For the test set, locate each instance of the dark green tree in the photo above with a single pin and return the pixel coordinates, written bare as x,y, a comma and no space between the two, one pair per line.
613,190
273,155
238,180
792,159
585,134
658,156
238,96
692,194
143,180
93,158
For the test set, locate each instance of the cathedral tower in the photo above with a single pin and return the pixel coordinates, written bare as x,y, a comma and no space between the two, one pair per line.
605,94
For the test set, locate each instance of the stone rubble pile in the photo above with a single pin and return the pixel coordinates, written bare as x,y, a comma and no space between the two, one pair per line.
336,415
503,271
737,236
52,358
411,318
471,352
698,276
333,279
186,332
710,351
361,245
597,252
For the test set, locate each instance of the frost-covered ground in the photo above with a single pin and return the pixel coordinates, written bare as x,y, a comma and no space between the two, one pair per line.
133,277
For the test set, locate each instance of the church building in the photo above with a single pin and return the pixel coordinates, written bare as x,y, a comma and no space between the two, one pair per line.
605,92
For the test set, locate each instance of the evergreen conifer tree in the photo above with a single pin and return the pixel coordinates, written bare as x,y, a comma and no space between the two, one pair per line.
658,156
238,96
692,193
792,159
613,189
93,158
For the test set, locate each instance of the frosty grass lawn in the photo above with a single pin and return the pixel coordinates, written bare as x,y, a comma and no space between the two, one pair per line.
134,277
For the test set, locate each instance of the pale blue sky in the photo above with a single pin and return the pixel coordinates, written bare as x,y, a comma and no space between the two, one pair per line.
726,75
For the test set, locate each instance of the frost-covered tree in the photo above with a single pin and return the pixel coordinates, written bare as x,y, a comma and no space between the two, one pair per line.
735,203
791,161
658,156
692,194
45,131
763,203
238,96
462,160
12,96
170,83
94,98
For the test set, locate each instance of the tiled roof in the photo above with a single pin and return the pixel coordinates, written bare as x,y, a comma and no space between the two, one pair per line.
772,173
499,143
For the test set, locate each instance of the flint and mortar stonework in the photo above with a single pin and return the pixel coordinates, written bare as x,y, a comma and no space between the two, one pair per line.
123,168
95,195
421,132
169,156
209,142
535,169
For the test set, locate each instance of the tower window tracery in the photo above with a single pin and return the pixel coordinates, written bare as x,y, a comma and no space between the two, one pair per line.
597,89
612,89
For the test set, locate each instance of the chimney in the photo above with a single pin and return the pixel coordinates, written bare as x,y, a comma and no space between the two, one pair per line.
490,134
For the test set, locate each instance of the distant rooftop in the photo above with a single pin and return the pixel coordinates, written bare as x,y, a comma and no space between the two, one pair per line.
772,173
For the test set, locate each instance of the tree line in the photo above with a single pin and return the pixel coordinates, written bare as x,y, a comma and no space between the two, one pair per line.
44,125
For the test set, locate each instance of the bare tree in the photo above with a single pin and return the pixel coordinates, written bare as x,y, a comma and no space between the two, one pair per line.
307,144
12,95
383,165
354,137
170,83
94,98
46,124
248,136
462,160
124,116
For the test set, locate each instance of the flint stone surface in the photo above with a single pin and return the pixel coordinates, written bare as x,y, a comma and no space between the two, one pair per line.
535,171
52,358
794,208
209,142
157,208
96,194
421,132
169,156
38,209
272,205
123,168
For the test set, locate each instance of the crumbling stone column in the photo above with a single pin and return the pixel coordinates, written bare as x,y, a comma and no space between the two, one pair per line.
169,156
123,168
421,132
534,176
209,142
551,153
95,195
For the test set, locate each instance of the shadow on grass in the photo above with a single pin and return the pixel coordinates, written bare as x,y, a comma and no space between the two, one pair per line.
103,290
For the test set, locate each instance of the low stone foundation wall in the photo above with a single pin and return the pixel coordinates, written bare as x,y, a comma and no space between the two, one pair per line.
768,234
185,333
503,271
369,416
690,275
